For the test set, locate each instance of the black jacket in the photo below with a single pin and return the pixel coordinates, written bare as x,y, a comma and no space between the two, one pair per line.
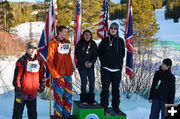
81,53
166,90
112,56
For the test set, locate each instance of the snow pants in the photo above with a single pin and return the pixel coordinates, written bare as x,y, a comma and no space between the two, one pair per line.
62,96
19,107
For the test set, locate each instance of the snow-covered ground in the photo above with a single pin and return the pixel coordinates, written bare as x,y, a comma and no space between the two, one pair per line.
135,107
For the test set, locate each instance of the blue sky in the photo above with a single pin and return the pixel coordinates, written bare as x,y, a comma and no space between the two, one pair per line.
115,1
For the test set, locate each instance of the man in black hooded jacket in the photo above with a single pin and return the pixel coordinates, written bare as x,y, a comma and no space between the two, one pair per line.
111,53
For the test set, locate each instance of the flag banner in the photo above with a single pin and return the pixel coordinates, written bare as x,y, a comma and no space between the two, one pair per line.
129,42
47,34
103,25
77,36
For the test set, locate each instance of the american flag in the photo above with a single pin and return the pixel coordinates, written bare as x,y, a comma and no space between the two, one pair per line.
103,25
77,36
47,34
129,42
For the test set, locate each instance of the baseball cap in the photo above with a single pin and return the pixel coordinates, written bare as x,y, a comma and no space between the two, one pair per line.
32,45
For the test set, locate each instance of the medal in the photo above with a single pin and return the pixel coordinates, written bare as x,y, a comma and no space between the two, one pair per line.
111,41
87,52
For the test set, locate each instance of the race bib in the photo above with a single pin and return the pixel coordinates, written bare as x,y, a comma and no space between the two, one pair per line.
33,66
64,48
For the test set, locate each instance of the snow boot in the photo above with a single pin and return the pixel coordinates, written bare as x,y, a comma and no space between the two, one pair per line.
90,98
83,98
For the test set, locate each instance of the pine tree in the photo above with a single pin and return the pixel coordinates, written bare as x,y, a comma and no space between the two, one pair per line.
91,10
157,4
2,19
172,10
66,12
22,12
144,23
6,18
117,11
42,8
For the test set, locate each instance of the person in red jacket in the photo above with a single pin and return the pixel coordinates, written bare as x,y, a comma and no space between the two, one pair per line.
28,80
60,66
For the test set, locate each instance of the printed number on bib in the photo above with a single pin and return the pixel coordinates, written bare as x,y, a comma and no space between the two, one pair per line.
33,66
64,48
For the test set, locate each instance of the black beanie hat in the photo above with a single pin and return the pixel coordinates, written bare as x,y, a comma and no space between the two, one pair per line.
167,61
114,24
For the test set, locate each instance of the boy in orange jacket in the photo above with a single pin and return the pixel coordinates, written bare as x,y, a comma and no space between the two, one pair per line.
60,66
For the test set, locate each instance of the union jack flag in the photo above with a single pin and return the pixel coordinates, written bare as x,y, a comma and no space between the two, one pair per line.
77,36
103,25
47,34
129,42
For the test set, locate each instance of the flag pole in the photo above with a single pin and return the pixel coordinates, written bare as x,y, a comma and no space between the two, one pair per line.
50,97
50,80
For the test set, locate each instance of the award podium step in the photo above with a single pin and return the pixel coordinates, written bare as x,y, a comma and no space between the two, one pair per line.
93,111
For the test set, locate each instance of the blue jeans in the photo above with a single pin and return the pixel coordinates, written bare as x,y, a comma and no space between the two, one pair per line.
156,107
84,74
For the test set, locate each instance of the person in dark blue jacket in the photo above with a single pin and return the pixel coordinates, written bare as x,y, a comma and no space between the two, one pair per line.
111,52
86,54
162,90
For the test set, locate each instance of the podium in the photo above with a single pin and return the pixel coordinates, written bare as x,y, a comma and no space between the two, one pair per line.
82,111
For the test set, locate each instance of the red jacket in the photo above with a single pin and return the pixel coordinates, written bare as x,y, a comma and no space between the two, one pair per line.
29,74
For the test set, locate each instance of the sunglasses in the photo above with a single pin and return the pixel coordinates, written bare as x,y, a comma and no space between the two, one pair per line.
113,28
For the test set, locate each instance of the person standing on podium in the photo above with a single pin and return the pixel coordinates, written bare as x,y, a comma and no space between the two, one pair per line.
86,54
111,54
60,66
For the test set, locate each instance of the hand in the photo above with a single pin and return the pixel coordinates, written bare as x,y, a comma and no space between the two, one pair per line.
57,77
88,64
73,68
18,96
41,88
150,100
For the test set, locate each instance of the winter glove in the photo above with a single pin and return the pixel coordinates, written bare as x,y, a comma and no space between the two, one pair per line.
18,95
42,87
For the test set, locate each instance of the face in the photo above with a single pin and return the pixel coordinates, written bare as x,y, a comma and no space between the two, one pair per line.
87,36
62,34
164,67
32,52
113,30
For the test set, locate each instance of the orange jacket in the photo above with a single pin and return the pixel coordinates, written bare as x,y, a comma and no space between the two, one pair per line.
59,59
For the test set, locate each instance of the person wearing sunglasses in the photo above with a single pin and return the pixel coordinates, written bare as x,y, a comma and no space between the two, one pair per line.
111,51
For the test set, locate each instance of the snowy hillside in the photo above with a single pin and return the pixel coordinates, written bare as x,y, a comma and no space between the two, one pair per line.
23,30
169,31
